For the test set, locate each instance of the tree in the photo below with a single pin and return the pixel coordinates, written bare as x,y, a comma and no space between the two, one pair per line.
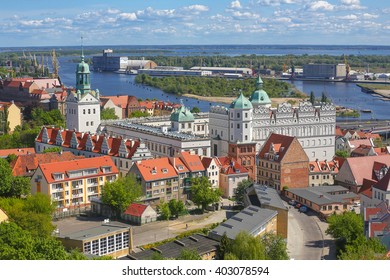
364,249
246,247
139,114
275,247
11,157
312,97
324,98
224,247
176,207
343,154
202,193
5,177
187,254
121,193
108,114
240,190
52,150
345,227
20,186
195,110
19,244
165,211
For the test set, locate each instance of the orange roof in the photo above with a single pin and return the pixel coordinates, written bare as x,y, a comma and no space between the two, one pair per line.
280,144
146,104
136,209
26,164
230,166
156,169
119,100
48,169
23,151
193,162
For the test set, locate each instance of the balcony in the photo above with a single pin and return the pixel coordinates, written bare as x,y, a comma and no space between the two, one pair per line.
77,195
57,198
75,187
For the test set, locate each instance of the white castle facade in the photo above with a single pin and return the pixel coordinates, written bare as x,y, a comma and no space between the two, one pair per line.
313,125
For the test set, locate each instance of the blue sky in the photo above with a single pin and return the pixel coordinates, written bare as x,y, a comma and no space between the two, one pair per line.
167,22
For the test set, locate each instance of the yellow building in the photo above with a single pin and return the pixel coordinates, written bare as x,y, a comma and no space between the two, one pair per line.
10,117
74,183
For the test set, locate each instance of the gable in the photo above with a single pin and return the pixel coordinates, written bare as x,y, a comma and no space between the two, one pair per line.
295,153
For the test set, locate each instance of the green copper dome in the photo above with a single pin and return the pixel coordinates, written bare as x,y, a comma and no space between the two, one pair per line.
241,103
182,115
260,96
82,67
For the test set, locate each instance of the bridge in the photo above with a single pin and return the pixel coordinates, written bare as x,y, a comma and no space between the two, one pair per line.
373,126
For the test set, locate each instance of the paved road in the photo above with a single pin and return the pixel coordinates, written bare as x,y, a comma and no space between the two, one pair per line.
306,237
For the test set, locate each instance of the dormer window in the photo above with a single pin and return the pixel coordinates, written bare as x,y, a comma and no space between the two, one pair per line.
106,169
58,176
164,170
180,167
153,171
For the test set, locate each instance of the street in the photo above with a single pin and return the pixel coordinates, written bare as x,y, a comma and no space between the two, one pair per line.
306,237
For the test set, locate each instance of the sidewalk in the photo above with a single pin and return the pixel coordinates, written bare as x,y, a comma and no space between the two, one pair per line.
328,245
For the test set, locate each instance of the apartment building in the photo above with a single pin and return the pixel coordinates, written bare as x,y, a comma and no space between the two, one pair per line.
74,183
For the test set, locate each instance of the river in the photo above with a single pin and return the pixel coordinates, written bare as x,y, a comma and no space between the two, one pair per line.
342,94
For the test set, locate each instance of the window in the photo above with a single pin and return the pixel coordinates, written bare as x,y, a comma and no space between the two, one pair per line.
238,115
183,125
89,111
246,125
94,111
246,137
238,125
91,123
87,123
246,115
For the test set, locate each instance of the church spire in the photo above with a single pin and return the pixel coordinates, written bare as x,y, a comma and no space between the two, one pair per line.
259,83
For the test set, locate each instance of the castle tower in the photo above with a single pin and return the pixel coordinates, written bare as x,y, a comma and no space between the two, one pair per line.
241,147
260,97
83,106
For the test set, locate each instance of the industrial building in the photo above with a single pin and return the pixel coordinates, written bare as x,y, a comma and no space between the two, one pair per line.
324,71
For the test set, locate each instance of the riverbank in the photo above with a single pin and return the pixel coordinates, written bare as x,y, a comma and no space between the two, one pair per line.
228,100
382,90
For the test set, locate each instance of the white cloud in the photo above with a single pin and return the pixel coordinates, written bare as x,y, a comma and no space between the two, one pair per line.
31,22
282,20
320,5
235,5
113,11
196,8
369,16
349,17
128,16
350,2
237,28
244,15
277,2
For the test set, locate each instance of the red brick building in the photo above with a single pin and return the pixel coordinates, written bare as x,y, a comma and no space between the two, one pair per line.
245,155
283,162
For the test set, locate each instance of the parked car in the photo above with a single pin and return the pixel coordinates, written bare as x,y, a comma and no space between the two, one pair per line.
303,209
298,205
292,202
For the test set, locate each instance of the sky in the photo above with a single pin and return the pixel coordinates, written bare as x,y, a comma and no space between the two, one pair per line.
170,22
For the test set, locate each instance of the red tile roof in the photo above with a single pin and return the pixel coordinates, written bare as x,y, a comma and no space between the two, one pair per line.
376,228
26,164
97,141
362,167
279,143
48,169
136,209
156,169
230,166
384,183
22,151
370,212
366,188
193,162
206,161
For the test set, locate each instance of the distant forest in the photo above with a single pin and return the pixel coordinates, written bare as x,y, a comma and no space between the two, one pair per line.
376,63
